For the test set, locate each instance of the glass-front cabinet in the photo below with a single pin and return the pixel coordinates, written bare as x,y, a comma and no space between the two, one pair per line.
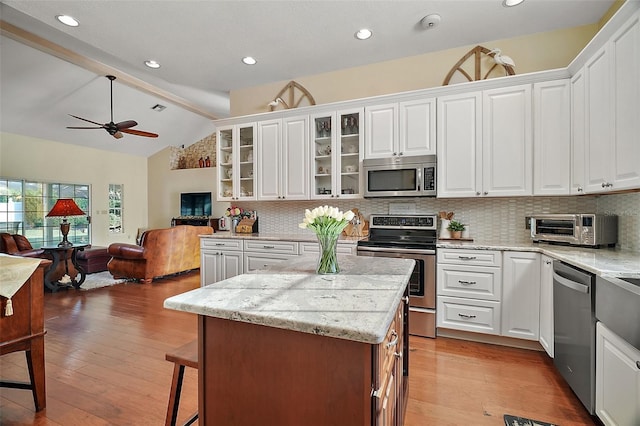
236,162
336,154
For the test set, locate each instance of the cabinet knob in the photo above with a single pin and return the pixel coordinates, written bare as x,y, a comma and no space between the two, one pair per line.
579,189
638,364
485,193
604,185
400,153
398,354
477,193
548,262
395,153
394,340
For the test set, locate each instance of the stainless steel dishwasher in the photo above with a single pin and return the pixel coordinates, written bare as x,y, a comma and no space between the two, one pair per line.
574,334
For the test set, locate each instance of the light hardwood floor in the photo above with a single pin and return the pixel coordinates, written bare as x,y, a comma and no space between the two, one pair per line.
105,365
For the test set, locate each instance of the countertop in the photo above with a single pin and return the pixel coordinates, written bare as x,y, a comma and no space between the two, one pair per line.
357,304
602,261
306,237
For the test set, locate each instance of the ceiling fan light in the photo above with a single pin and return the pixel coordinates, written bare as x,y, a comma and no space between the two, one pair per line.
68,20
248,60
152,64
363,34
511,3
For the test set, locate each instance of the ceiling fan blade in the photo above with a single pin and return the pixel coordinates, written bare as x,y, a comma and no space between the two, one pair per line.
75,127
126,124
88,121
139,133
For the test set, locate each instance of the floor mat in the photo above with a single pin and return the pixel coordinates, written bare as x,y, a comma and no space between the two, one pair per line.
510,420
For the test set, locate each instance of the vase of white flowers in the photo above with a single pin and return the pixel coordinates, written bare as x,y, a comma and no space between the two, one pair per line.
327,222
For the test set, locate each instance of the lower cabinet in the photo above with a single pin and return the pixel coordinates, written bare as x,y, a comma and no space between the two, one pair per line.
546,304
219,259
259,254
617,379
521,295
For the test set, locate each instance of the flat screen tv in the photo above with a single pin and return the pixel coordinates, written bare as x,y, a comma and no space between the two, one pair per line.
195,204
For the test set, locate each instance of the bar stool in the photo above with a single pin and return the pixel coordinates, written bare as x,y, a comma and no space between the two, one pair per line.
184,356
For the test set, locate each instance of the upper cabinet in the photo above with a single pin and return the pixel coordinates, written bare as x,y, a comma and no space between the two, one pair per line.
283,161
552,138
612,99
336,154
236,162
578,127
485,143
400,129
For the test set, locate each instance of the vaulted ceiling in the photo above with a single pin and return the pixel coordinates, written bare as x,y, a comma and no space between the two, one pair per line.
199,45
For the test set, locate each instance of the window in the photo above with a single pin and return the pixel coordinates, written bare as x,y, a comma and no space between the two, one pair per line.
115,208
25,204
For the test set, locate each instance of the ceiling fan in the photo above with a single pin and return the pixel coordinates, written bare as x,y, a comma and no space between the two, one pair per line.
115,129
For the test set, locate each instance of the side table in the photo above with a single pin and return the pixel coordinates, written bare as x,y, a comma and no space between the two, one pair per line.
65,254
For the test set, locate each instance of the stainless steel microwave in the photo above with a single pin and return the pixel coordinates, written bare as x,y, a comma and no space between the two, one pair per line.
400,176
590,230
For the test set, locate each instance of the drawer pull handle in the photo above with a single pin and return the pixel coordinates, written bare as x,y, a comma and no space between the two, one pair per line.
465,316
406,299
467,257
399,354
638,364
268,247
219,244
394,341
467,282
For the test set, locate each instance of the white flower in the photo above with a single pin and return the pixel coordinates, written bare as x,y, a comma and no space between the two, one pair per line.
326,220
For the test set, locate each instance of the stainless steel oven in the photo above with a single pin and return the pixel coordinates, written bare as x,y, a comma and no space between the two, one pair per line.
409,237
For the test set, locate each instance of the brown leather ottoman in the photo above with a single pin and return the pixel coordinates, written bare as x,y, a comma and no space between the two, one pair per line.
93,259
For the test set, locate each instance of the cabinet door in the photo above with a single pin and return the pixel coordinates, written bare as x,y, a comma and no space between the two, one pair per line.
546,304
598,131
459,141
323,164
348,152
552,139
231,264
625,155
417,127
294,173
209,267
521,295
617,379
269,159
507,151
578,126
381,136
224,136
244,162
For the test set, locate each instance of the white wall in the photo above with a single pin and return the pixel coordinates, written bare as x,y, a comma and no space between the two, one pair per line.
46,161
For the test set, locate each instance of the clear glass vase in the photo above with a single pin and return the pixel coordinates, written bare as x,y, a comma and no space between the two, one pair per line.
328,258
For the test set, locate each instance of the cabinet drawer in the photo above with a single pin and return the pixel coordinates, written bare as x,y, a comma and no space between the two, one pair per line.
221,244
268,246
481,316
477,282
254,261
470,257
314,248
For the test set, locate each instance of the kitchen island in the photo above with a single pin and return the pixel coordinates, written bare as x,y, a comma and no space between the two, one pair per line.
286,346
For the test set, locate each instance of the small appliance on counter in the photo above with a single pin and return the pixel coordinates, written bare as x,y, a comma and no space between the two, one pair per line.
579,229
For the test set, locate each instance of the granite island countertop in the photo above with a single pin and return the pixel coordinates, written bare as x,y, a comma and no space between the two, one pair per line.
357,304
602,261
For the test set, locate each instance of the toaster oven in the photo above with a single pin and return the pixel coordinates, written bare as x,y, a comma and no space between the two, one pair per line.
582,229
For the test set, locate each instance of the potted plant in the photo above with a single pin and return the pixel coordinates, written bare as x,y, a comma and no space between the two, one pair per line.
456,228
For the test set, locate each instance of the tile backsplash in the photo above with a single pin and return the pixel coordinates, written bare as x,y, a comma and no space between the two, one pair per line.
499,220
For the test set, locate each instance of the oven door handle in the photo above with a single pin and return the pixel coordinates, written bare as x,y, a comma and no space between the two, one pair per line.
396,250
571,284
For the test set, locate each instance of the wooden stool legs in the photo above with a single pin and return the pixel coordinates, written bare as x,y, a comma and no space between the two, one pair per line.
184,356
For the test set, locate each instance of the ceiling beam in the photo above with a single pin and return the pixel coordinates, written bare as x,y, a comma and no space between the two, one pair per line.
46,46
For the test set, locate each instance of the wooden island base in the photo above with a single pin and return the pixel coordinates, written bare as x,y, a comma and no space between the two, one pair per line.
253,374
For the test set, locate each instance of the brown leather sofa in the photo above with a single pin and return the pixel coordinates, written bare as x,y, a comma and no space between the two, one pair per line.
19,245
161,252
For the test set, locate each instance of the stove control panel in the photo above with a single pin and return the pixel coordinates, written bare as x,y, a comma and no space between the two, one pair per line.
405,221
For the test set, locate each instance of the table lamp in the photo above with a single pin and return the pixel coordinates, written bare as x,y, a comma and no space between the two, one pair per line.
62,208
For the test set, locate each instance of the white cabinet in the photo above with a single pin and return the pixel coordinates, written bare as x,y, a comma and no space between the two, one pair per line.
336,154
612,98
259,254
236,162
617,379
400,129
552,138
578,127
283,169
219,259
484,143
341,248
546,304
469,290
521,295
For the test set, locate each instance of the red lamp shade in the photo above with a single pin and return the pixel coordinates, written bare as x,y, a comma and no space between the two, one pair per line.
65,207
62,208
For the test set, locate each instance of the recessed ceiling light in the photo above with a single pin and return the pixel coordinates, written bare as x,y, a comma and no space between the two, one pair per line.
510,3
430,21
68,20
363,34
248,60
152,64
